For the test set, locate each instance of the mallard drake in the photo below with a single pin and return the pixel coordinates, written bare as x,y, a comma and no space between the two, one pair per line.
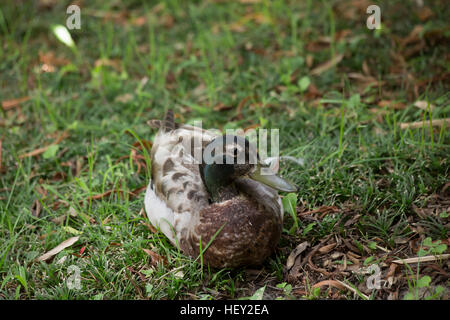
229,209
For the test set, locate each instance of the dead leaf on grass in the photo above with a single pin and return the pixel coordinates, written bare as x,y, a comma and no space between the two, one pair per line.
330,283
9,104
396,105
38,151
418,124
222,107
50,61
249,1
327,65
114,63
295,253
124,98
425,14
413,36
156,258
58,248
327,248
62,218
36,208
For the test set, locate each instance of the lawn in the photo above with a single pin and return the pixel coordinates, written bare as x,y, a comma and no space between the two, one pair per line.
364,111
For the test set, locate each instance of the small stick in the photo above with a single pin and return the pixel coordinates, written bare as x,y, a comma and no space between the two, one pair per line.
419,124
422,259
353,290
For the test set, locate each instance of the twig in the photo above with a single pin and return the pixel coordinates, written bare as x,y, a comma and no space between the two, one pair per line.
419,124
35,152
353,290
422,259
340,285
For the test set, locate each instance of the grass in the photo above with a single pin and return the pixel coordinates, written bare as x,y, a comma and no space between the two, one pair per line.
231,65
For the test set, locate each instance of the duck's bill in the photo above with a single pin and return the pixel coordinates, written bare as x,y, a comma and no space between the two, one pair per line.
273,181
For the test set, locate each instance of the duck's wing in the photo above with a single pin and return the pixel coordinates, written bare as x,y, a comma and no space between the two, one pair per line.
175,157
176,193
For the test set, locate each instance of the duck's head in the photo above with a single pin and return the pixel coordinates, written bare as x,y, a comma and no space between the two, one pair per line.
230,157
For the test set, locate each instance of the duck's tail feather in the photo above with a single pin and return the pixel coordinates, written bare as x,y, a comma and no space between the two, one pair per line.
168,124
154,123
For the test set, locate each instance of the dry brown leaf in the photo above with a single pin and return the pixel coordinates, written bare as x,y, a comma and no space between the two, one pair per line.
147,144
156,258
46,4
435,123
365,68
240,106
43,192
139,21
167,21
309,60
150,227
413,35
327,248
391,271
353,259
36,208
9,104
114,63
327,65
50,59
222,107
295,253
312,92
124,98
361,77
251,127
58,248
237,27
107,193
342,34
256,17
35,152
425,13
396,105
351,10
62,218
323,210
330,283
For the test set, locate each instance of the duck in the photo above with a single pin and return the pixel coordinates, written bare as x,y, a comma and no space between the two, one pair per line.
209,204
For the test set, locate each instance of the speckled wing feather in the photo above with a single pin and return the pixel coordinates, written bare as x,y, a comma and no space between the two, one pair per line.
177,193
175,174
